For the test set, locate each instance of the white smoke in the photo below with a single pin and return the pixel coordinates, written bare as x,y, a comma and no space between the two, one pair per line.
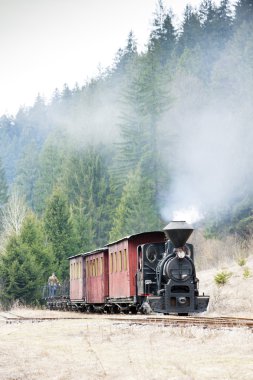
211,157
189,215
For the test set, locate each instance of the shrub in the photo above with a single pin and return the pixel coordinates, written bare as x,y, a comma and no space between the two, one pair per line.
241,261
222,277
246,272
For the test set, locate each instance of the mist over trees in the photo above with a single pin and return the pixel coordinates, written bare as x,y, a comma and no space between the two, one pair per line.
158,131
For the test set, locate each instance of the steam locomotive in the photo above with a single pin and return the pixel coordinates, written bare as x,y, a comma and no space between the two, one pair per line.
150,271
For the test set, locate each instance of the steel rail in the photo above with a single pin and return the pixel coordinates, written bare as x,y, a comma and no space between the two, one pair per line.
205,322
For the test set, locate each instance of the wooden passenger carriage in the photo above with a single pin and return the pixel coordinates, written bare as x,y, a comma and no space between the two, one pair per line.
106,277
123,263
89,277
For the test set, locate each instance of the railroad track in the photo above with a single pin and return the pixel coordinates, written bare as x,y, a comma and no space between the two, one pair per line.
9,317
204,322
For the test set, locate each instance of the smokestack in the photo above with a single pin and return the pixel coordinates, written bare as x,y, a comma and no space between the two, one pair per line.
178,232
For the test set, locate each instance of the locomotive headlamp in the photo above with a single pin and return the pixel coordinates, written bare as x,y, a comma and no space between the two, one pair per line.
182,300
181,254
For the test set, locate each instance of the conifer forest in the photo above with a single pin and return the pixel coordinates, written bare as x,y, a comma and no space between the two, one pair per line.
158,131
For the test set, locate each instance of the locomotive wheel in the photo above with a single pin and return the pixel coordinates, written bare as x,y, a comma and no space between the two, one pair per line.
133,310
116,309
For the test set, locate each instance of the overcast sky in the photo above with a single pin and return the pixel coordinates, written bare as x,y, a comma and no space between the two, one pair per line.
46,43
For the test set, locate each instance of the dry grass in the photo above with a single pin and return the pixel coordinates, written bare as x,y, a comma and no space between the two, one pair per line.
213,253
99,349
234,297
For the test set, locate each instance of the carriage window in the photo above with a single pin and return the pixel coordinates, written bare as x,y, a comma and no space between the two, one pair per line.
101,265
96,266
139,259
125,259
120,261
110,262
115,262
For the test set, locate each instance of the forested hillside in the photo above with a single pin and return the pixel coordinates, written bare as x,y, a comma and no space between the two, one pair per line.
161,130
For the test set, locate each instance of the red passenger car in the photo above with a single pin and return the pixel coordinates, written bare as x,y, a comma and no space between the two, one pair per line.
77,277
89,277
97,286
123,263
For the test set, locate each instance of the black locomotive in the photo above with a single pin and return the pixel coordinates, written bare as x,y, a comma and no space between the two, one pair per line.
167,271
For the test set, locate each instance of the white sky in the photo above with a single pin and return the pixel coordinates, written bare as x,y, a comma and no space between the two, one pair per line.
46,43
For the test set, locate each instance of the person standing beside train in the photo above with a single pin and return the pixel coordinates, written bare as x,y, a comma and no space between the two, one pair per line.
53,283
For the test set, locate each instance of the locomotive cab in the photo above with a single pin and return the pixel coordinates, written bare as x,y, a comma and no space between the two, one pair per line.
148,257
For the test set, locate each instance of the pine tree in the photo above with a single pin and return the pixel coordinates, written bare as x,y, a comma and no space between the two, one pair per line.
90,194
59,231
33,236
10,145
163,36
19,274
3,186
83,229
136,211
28,173
144,102
224,13
190,30
26,264
50,164
243,12
216,26
126,55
